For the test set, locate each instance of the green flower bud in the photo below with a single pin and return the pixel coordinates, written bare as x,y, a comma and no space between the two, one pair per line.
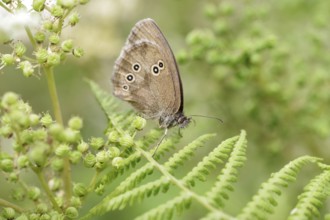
70,135
75,201
7,59
38,5
22,161
8,213
68,4
53,59
79,189
83,2
22,217
57,164
71,212
55,184
7,165
226,8
74,18
82,146
113,136
89,160
13,177
46,120
56,129
27,68
41,55
39,37
44,216
38,154
9,99
75,156
34,216
139,123
67,45
34,119
78,52
18,194
19,49
126,141
113,152
6,131
102,156
48,25
62,150
210,10
54,39
96,142
117,162
42,208
75,123
57,11
34,193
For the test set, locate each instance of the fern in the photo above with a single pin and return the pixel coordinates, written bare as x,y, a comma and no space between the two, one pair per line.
264,202
231,153
228,175
313,197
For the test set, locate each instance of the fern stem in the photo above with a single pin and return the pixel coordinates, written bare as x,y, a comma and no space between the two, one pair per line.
200,199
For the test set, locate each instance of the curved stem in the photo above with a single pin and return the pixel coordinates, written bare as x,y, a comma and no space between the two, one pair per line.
5,203
47,190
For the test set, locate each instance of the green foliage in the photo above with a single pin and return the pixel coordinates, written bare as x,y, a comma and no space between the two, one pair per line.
268,66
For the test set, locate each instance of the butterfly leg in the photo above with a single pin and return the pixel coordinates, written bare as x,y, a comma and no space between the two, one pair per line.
160,141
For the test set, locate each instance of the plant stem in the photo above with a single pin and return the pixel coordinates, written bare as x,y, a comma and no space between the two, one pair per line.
5,203
47,190
201,199
53,94
5,7
58,116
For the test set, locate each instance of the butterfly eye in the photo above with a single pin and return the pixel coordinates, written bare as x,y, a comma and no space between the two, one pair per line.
161,64
136,67
155,70
125,87
130,77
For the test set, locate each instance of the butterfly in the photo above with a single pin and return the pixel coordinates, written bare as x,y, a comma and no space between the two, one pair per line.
146,75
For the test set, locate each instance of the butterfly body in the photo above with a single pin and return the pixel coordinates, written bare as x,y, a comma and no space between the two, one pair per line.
146,75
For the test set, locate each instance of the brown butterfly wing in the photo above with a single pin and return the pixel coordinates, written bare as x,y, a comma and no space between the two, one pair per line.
146,73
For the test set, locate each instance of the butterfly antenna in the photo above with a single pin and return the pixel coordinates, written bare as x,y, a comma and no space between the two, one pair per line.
211,117
160,141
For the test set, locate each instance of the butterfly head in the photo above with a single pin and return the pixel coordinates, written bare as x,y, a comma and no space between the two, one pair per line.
178,119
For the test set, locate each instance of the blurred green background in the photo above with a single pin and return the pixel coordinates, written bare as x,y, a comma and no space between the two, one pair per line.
262,66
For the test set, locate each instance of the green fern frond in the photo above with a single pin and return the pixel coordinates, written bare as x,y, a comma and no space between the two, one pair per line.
107,102
185,153
313,197
217,156
228,174
129,197
265,200
166,210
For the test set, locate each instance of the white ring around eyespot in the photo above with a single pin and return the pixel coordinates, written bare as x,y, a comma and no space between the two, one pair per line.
160,61
127,87
134,70
152,70
133,77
